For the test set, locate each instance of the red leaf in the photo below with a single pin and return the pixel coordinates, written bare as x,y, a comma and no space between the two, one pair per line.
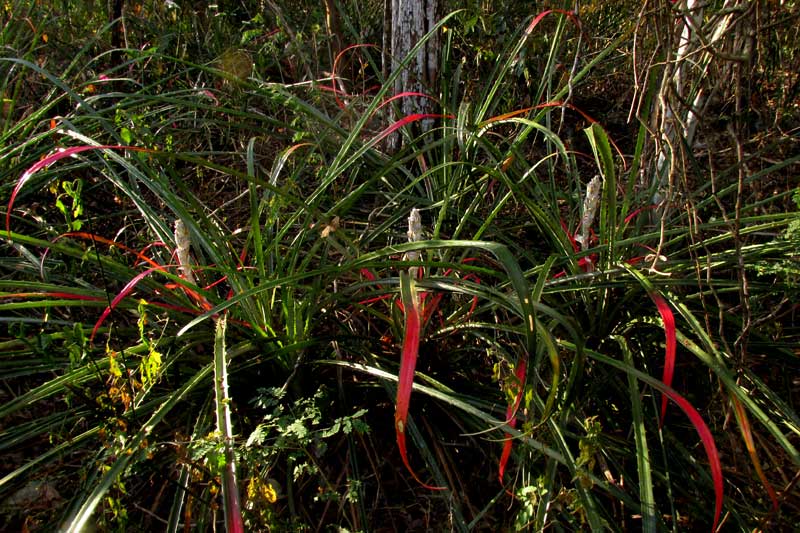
119,297
556,103
635,260
638,211
511,416
375,299
572,241
543,14
97,238
405,121
429,308
336,60
53,294
200,300
209,94
87,298
584,263
708,444
669,357
49,160
406,94
408,363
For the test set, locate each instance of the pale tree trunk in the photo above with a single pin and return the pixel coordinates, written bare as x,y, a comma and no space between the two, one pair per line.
711,58
405,23
675,119
687,82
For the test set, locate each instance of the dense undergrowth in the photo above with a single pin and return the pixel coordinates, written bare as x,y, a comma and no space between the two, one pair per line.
208,279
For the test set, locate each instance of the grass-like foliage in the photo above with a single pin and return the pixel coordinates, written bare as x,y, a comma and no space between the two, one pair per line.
226,303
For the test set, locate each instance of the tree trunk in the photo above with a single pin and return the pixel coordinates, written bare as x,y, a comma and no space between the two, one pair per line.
117,31
688,82
406,22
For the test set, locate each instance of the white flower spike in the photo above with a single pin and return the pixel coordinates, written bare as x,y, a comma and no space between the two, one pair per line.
183,245
590,203
414,235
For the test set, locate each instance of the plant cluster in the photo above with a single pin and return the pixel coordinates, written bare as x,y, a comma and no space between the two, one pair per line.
224,302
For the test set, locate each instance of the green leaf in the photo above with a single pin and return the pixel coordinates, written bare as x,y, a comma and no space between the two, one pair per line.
649,510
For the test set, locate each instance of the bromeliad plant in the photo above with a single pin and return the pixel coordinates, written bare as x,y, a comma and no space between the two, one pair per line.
123,382
595,302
